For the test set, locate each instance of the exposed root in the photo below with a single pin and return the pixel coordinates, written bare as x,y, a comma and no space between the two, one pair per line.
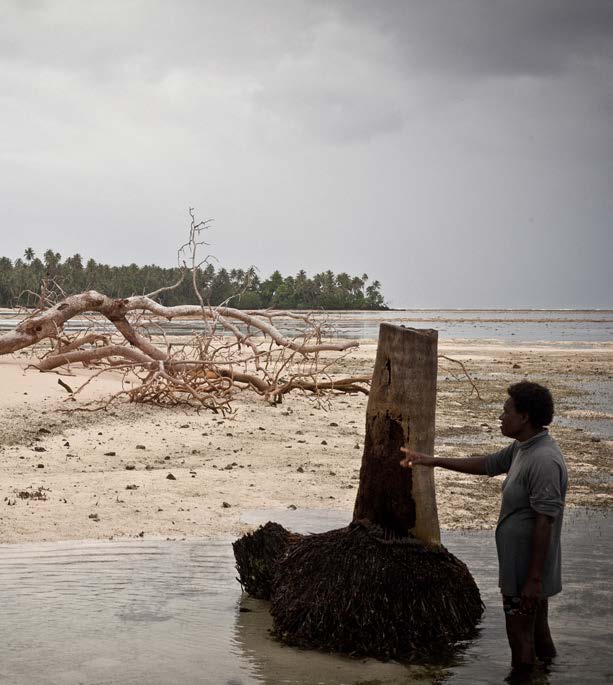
360,590
257,556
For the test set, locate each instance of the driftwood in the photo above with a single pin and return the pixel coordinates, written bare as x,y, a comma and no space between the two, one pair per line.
204,371
237,349
384,586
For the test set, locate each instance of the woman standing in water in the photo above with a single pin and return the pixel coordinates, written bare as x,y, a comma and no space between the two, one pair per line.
530,521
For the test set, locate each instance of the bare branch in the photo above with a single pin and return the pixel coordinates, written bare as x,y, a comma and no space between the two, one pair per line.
155,293
468,376
239,350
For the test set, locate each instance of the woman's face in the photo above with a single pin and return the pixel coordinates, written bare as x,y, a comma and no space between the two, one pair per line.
512,423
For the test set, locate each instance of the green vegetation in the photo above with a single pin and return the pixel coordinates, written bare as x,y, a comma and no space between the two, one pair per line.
323,291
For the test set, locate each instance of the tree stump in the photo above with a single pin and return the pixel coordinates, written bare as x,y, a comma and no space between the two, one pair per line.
384,586
400,413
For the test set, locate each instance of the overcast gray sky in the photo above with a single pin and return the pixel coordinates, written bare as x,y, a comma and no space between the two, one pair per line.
460,151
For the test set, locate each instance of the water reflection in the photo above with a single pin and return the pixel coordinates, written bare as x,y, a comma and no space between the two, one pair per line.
119,612
274,663
159,612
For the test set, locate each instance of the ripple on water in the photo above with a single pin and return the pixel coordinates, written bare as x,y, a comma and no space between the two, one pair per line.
161,612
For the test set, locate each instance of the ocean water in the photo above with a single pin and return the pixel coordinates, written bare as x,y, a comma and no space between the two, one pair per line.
516,326
510,326
165,612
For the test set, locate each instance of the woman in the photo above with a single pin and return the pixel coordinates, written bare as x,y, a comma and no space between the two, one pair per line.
530,521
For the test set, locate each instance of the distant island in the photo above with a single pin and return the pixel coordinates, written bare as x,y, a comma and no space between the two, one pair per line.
21,279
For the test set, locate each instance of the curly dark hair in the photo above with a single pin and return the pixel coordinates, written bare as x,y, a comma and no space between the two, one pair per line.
532,399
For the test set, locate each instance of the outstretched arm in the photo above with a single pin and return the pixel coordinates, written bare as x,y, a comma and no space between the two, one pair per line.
473,465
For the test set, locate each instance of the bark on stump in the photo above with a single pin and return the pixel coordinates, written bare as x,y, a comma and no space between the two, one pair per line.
400,413
383,586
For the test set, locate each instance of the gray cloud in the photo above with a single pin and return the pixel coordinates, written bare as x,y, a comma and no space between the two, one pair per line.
439,146
500,37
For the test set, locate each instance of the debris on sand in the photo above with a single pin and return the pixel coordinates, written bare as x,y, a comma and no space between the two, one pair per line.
39,494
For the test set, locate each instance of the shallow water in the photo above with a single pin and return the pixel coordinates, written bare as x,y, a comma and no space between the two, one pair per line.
510,326
164,612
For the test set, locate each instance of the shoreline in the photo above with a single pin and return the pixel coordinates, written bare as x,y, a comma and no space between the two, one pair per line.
293,455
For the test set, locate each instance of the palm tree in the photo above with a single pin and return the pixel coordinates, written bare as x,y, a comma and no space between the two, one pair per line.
52,259
29,254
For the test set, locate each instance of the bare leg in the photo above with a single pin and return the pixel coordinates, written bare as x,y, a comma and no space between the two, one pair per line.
520,631
543,643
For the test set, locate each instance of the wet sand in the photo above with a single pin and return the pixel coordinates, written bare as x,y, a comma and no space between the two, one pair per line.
66,476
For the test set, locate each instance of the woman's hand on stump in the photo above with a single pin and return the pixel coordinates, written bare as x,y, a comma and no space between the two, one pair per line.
415,459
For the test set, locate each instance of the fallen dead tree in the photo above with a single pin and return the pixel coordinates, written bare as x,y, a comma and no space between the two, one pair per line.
233,350
384,586
205,371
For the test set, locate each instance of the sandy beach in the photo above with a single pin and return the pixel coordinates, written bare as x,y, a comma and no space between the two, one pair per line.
143,471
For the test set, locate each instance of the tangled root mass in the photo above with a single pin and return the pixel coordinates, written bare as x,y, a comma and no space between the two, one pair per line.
349,590
257,555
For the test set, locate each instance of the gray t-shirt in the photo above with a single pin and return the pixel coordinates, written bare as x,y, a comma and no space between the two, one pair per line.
536,482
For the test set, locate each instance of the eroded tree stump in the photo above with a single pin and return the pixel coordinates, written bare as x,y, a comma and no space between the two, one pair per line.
384,586
400,413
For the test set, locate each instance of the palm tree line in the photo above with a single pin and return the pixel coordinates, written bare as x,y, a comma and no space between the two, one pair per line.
21,279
